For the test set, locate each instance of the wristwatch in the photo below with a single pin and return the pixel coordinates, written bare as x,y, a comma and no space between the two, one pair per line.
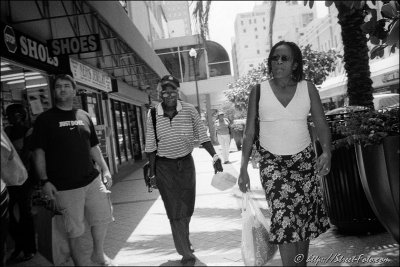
215,158
43,182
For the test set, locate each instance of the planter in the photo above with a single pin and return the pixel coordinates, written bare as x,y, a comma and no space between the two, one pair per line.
378,166
238,137
345,200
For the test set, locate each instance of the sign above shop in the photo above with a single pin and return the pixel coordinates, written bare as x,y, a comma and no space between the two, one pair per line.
9,39
90,76
390,76
74,45
24,46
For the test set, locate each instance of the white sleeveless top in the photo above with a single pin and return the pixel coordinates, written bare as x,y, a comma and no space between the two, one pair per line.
284,131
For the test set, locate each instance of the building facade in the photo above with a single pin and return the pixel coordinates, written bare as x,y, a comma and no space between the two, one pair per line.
324,34
115,68
252,30
178,18
203,78
149,18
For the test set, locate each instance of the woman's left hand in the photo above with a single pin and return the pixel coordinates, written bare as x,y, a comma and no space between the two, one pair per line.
323,164
107,180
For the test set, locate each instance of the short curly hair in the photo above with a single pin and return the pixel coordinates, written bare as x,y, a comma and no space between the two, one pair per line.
16,108
298,73
64,77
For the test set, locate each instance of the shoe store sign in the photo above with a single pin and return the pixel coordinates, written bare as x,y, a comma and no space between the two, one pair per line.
23,46
90,76
74,45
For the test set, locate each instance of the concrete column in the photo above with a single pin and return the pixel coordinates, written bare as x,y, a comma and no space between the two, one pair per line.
210,120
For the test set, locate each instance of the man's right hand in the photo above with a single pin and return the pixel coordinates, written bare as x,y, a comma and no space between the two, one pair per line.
49,190
218,166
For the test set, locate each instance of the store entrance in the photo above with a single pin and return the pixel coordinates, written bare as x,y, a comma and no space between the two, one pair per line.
25,86
91,101
126,129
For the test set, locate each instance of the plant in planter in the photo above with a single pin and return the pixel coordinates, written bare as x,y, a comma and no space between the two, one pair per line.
375,136
368,127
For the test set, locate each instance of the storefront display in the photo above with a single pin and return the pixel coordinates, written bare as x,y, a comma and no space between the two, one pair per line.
92,83
24,85
126,129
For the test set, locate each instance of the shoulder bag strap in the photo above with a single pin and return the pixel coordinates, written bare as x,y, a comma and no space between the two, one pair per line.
154,120
257,124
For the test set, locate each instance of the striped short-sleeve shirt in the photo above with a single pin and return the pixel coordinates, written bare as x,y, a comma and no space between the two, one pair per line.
176,136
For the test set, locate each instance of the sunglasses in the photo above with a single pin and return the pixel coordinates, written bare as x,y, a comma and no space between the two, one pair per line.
283,58
165,94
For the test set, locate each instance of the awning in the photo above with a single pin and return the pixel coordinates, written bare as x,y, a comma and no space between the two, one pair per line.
338,85
124,52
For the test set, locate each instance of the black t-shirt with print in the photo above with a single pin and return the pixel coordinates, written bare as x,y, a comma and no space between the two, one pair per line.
66,138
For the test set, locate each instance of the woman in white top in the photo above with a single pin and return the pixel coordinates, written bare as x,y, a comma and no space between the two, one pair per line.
289,169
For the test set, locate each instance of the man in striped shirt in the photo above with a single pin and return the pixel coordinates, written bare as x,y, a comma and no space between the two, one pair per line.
178,125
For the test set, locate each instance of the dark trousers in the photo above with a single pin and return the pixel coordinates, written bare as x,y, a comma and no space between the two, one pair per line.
4,218
176,181
180,233
22,230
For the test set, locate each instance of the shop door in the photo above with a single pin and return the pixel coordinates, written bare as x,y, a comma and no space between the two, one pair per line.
92,104
135,129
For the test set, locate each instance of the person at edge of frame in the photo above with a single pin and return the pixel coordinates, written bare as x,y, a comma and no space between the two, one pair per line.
21,227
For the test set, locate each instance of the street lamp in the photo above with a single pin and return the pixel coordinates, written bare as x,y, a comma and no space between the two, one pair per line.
193,54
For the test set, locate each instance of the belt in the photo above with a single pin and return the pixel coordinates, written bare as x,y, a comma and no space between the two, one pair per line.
169,159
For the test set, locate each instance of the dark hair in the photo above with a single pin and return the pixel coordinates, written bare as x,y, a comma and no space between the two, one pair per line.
298,73
65,77
16,108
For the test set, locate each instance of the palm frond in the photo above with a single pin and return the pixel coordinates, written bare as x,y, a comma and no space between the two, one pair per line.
201,13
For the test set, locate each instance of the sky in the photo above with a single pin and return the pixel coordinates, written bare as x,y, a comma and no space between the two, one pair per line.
222,17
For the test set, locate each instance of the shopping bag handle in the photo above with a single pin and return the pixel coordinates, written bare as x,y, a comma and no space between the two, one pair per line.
257,211
245,199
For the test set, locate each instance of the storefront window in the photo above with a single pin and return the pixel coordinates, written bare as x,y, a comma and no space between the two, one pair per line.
139,114
22,85
119,134
125,128
134,129
94,108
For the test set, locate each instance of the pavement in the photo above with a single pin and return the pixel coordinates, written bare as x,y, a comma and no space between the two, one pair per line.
141,234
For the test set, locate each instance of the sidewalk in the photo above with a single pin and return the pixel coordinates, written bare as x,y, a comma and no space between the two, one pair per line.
141,234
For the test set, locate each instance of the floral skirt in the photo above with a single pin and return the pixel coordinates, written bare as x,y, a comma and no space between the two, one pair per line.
293,192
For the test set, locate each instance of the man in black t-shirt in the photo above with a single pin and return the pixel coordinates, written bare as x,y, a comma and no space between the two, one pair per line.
65,143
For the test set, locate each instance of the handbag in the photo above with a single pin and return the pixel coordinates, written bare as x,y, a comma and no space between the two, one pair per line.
52,238
256,249
223,181
255,155
150,183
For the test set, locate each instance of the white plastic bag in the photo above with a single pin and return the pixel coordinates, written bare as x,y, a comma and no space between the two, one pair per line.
13,171
223,180
256,249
